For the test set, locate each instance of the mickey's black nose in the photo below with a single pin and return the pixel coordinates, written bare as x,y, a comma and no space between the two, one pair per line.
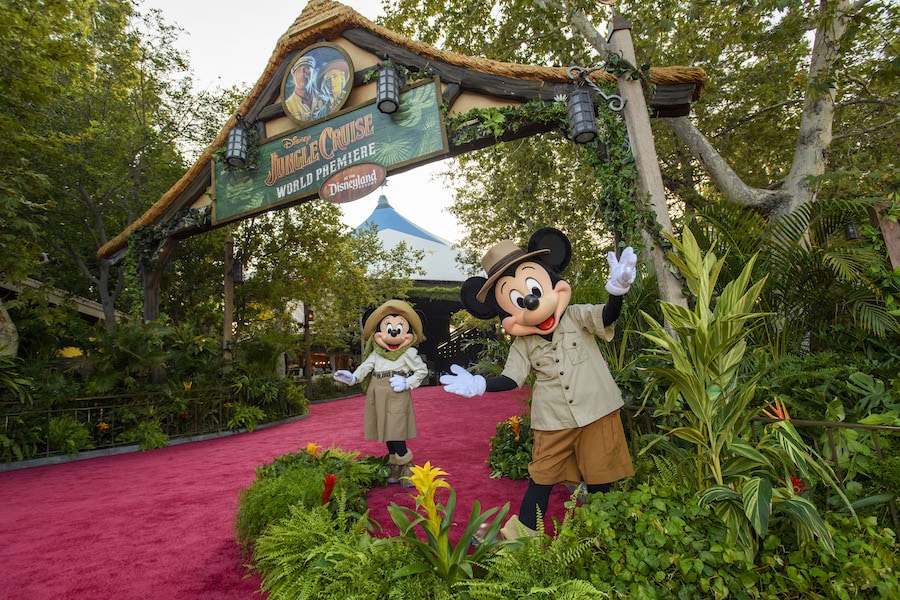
532,302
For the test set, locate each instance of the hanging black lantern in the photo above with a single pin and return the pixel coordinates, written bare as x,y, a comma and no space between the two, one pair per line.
851,232
237,148
582,128
237,271
388,90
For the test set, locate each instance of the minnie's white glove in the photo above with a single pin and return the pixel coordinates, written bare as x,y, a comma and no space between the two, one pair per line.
622,272
463,383
344,377
399,383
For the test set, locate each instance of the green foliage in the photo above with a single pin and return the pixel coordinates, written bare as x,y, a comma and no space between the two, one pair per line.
297,479
14,385
245,416
657,542
510,448
315,554
437,554
68,435
745,480
147,434
19,440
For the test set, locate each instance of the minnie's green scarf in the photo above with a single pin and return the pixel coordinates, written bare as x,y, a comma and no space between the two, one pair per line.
388,354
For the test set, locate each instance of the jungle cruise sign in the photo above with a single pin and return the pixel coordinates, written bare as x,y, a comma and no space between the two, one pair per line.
341,158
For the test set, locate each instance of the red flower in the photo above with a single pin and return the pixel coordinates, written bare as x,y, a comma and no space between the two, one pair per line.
800,486
329,481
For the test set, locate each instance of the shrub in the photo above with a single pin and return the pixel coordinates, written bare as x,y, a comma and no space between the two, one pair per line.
148,435
511,447
69,436
297,479
245,416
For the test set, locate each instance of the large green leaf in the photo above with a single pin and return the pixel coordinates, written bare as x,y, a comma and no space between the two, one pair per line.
757,497
807,521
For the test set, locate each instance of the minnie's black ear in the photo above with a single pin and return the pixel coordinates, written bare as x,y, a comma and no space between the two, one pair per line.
366,314
556,241
479,310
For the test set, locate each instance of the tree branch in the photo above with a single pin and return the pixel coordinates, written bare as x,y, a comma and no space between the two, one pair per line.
728,182
752,116
865,131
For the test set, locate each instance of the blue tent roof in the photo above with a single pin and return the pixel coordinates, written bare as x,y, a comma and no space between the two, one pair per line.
385,217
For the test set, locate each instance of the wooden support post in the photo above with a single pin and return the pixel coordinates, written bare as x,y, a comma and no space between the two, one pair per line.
649,179
228,318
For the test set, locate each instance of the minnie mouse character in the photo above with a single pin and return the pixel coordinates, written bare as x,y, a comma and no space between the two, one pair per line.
578,435
391,331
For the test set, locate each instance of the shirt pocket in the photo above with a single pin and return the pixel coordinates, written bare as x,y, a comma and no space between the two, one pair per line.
544,363
575,348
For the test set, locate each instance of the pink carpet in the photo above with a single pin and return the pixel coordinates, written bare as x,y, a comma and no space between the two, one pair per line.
159,524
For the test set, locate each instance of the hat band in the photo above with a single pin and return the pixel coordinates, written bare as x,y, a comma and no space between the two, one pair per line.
501,264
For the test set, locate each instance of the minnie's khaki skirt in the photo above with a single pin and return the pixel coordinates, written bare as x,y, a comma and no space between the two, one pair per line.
389,415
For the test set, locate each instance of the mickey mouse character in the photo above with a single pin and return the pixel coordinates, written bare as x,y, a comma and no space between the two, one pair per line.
391,331
578,435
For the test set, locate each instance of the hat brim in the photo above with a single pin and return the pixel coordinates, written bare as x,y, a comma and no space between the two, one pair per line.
393,307
483,292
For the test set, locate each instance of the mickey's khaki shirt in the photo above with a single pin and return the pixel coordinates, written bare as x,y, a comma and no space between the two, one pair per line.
573,386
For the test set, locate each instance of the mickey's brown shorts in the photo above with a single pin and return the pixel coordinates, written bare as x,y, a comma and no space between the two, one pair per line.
595,453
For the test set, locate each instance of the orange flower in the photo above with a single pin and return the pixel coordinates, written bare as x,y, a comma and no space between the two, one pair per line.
102,426
313,449
779,411
514,422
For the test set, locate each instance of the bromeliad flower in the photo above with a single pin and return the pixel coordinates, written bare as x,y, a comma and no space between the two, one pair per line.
330,481
102,426
427,480
779,411
313,449
514,423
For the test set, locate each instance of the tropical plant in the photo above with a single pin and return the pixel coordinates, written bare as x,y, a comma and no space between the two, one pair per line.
148,434
510,448
67,435
438,555
14,386
245,416
700,365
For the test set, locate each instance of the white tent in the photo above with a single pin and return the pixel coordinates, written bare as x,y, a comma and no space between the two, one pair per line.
439,262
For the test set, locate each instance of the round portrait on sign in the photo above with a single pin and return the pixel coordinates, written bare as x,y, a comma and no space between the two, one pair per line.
317,83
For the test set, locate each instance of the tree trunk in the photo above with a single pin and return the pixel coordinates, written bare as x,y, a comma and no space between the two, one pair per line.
9,335
650,183
817,119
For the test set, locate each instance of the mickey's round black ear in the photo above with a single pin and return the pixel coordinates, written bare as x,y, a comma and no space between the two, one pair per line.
479,310
548,238
421,317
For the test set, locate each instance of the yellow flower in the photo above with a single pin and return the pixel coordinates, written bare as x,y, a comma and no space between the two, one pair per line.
187,384
427,481
102,426
313,448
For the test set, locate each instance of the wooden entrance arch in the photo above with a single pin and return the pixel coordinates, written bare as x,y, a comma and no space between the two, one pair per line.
462,83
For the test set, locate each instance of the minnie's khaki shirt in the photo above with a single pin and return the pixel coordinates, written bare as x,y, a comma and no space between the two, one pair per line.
573,386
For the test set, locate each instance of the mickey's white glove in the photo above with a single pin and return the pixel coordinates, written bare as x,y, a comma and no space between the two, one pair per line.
399,383
463,383
344,377
622,272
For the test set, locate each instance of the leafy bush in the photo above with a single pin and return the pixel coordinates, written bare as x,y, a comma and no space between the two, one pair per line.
244,416
656,542
148,435
69,436
298,479
319,555
511,448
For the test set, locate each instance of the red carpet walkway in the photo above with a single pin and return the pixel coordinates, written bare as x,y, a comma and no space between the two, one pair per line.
159,524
